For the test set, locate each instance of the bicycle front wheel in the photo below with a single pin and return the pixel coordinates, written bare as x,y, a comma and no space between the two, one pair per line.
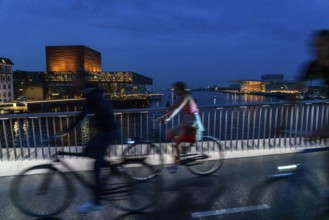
209,149
41,191
138,155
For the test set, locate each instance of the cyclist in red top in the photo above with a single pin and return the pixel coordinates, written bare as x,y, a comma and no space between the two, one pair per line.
190,129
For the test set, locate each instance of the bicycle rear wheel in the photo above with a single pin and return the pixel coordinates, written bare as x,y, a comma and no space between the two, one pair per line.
142,153
124,193
41,191
210,150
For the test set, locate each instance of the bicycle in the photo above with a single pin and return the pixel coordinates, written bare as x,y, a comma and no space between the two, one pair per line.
52,191
202,157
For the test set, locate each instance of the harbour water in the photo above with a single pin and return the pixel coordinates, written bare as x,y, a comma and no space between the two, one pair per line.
211,98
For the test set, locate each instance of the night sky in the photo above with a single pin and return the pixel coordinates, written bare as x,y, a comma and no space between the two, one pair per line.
201,42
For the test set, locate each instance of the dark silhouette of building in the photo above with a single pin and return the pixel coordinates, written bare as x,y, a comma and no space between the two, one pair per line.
29,84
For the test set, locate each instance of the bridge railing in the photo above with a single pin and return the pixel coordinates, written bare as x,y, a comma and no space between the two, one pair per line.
238,127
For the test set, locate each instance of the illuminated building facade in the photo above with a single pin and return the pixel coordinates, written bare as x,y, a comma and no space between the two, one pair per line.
63,62
6,80
270,83
113,83
249,86
72,59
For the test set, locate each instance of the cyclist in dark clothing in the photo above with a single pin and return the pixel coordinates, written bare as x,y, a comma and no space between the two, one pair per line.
318,69
102,109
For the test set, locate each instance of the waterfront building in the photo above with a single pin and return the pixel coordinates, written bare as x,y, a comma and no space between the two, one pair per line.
6,80
248,86
62,63
72,58
270,84
275,83
116,84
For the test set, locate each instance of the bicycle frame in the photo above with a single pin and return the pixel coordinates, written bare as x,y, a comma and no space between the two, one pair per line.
76,175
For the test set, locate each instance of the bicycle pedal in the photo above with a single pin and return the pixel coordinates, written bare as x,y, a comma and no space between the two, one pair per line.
185,161
206,156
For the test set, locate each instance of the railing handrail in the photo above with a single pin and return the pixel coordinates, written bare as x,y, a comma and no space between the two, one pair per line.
239,127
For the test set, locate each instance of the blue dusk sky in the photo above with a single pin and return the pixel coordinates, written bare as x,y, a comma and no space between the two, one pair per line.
201,42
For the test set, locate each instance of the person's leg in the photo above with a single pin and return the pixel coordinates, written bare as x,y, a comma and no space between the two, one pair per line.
98,164
104,141
96,149
186,134
171,134
178,140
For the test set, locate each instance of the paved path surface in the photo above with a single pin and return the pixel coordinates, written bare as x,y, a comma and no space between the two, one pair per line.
240,190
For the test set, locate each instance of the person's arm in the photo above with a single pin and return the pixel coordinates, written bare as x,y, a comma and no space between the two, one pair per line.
179,107
78,120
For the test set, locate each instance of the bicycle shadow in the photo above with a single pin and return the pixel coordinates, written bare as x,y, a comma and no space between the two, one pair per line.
135,215
49,218
177,200
292,196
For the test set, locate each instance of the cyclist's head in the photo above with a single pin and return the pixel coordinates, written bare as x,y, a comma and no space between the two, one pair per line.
320,44
179,87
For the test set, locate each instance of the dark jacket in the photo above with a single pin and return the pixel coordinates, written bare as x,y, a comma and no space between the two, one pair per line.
314,71
97,104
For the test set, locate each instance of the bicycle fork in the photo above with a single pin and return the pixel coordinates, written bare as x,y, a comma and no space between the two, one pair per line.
47,179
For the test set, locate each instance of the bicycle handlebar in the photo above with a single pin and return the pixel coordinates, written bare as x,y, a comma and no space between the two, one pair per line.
160,118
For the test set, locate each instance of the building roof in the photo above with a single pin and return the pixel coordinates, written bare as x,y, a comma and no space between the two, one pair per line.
246,80
263,81
4,60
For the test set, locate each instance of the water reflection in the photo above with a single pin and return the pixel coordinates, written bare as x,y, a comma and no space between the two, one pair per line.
85,132
247,98
208,98
20,130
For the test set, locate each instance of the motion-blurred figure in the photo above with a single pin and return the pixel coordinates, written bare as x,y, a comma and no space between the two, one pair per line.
97,104
190,129
318,69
